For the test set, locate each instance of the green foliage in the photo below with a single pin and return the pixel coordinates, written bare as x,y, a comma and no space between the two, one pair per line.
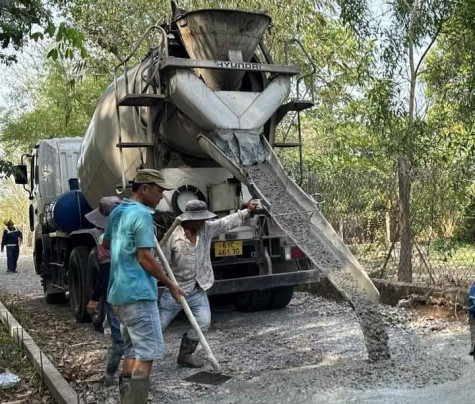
360,123
446,248
14,205
17,18
64,102
6,167
466,232
30,20
450,78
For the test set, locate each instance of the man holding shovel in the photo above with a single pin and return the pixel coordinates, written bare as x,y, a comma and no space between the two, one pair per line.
132,287
188,252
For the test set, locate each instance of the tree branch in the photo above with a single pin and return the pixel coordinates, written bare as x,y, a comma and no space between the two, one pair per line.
437,33
427,49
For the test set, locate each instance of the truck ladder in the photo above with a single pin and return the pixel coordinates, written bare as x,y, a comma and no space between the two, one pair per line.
153,100
297,105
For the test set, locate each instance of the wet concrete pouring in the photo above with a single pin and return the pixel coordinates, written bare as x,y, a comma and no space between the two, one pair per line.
312,351
297,225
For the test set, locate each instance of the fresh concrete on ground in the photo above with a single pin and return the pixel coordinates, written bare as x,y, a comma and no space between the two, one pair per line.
313,351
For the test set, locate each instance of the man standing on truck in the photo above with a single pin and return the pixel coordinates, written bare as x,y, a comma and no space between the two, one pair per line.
11,239
132,287
188,252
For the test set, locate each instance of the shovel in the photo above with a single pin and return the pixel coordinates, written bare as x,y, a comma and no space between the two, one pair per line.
201,377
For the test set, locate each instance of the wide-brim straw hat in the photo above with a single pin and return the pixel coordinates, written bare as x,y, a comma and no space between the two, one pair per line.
99,216
196,210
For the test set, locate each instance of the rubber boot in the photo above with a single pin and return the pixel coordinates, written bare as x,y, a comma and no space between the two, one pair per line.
138,391
113,358
124,386
185,358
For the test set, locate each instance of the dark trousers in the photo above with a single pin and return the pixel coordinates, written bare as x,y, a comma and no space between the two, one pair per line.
12,258
472,331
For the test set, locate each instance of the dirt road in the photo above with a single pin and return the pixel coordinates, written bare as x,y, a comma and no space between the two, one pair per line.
311,352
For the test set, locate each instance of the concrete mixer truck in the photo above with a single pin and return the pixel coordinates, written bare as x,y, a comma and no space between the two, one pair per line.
201,106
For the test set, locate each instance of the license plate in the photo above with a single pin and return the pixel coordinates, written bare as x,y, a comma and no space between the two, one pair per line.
227,248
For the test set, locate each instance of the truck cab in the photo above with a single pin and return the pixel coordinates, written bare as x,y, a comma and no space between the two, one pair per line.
52,172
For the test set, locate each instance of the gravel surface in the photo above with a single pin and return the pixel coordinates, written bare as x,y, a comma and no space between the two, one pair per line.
312,351
24,282
297,225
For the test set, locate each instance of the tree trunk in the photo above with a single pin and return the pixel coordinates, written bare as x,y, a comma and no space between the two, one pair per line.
405,258
388,227
404,165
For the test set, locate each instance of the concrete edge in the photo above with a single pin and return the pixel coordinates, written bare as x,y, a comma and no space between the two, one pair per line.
58,386
393,291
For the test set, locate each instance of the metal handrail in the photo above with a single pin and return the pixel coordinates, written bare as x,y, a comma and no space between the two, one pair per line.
299,80
314,66
164,40
163,52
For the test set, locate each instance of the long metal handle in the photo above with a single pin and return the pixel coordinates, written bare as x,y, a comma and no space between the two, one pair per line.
170,230
301,77
186,308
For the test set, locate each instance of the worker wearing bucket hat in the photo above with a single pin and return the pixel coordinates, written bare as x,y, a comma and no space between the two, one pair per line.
99,216
188,252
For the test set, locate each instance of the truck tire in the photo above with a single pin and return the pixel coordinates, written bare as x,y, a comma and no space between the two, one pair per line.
93,271
255,300
79,290
281,297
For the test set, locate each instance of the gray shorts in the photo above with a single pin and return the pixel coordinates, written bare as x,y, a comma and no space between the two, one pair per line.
141,330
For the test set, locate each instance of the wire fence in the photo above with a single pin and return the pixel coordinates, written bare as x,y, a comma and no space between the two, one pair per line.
363,208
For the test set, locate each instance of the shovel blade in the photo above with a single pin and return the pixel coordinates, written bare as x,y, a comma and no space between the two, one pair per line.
208,378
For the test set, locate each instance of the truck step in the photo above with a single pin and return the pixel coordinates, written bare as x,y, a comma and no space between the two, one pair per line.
294,105
287,144
141,100
130,145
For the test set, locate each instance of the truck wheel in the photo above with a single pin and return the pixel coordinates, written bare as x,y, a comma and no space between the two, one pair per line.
93,271
52,297
78,283
255,300
281,297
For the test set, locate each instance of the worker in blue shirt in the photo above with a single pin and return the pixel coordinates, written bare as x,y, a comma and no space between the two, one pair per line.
11,239
132,289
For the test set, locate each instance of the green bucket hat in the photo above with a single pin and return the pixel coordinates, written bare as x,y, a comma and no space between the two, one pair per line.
150,176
